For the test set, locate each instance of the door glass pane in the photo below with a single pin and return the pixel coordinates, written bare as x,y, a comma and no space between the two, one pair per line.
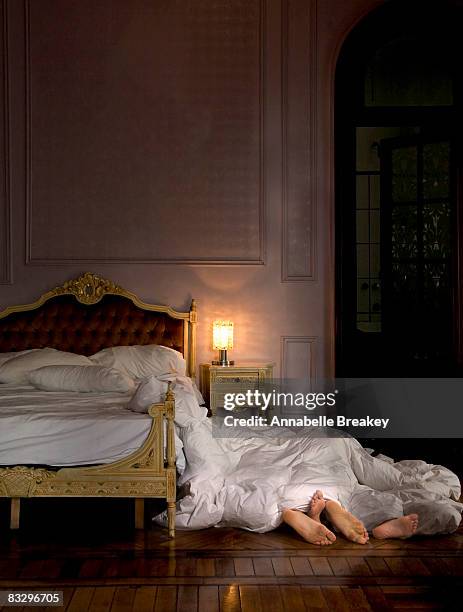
363,261
404,174
436,170
362,192
409,71
436,284
436,230
404,232
404,287
363,226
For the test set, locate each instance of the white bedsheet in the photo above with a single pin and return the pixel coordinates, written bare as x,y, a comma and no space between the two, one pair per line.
67,428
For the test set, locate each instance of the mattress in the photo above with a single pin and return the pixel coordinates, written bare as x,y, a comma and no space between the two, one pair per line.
67,428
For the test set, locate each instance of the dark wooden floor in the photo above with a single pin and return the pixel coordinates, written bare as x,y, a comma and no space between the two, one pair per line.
102,565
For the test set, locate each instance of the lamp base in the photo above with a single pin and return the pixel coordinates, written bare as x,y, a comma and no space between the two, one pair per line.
223,359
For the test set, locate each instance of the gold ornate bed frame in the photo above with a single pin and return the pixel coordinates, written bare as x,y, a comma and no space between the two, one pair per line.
145,473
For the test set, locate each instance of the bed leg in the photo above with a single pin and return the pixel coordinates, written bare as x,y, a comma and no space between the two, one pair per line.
139,513
171,518
14,512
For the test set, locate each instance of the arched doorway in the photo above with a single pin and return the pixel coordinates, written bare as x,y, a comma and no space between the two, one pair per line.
398,194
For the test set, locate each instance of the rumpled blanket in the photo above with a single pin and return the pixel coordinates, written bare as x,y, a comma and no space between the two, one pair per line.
247,481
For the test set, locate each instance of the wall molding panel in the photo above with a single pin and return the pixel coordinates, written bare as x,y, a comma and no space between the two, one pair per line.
298,357
299,140
208,248
6,239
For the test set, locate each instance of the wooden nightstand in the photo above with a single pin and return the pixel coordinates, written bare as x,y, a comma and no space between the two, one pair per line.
216,380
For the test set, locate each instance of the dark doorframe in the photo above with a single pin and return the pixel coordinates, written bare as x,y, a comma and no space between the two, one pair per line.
438,21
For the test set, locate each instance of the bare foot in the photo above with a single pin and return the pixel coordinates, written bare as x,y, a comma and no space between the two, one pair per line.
306,527
403,527
353,529
316,506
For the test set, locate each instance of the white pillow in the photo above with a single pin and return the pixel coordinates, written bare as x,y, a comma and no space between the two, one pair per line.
84,379
141,361
15,370
4,357
150,391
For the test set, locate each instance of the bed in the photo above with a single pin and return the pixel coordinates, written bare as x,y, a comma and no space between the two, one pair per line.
84,316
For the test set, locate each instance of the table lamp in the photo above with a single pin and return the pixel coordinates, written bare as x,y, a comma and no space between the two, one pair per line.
222,340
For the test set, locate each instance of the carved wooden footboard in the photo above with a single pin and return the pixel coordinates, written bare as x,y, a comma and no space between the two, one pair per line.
146,473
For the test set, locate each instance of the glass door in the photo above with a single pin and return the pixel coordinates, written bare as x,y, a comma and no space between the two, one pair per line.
416,247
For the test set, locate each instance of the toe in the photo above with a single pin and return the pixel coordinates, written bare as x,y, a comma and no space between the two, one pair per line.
325,542
330,536
359,538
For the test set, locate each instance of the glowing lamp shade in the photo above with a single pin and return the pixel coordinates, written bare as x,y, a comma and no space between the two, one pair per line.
222,340
222,335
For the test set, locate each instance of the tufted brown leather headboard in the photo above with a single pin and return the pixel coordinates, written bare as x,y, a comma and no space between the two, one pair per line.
90,313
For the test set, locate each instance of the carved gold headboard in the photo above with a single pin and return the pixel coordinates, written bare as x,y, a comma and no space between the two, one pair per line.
89,313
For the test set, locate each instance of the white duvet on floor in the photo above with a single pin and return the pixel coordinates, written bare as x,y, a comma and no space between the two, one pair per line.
248,481
67,428
244,482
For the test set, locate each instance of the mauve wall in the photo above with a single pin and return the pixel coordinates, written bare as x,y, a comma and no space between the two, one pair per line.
182,148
